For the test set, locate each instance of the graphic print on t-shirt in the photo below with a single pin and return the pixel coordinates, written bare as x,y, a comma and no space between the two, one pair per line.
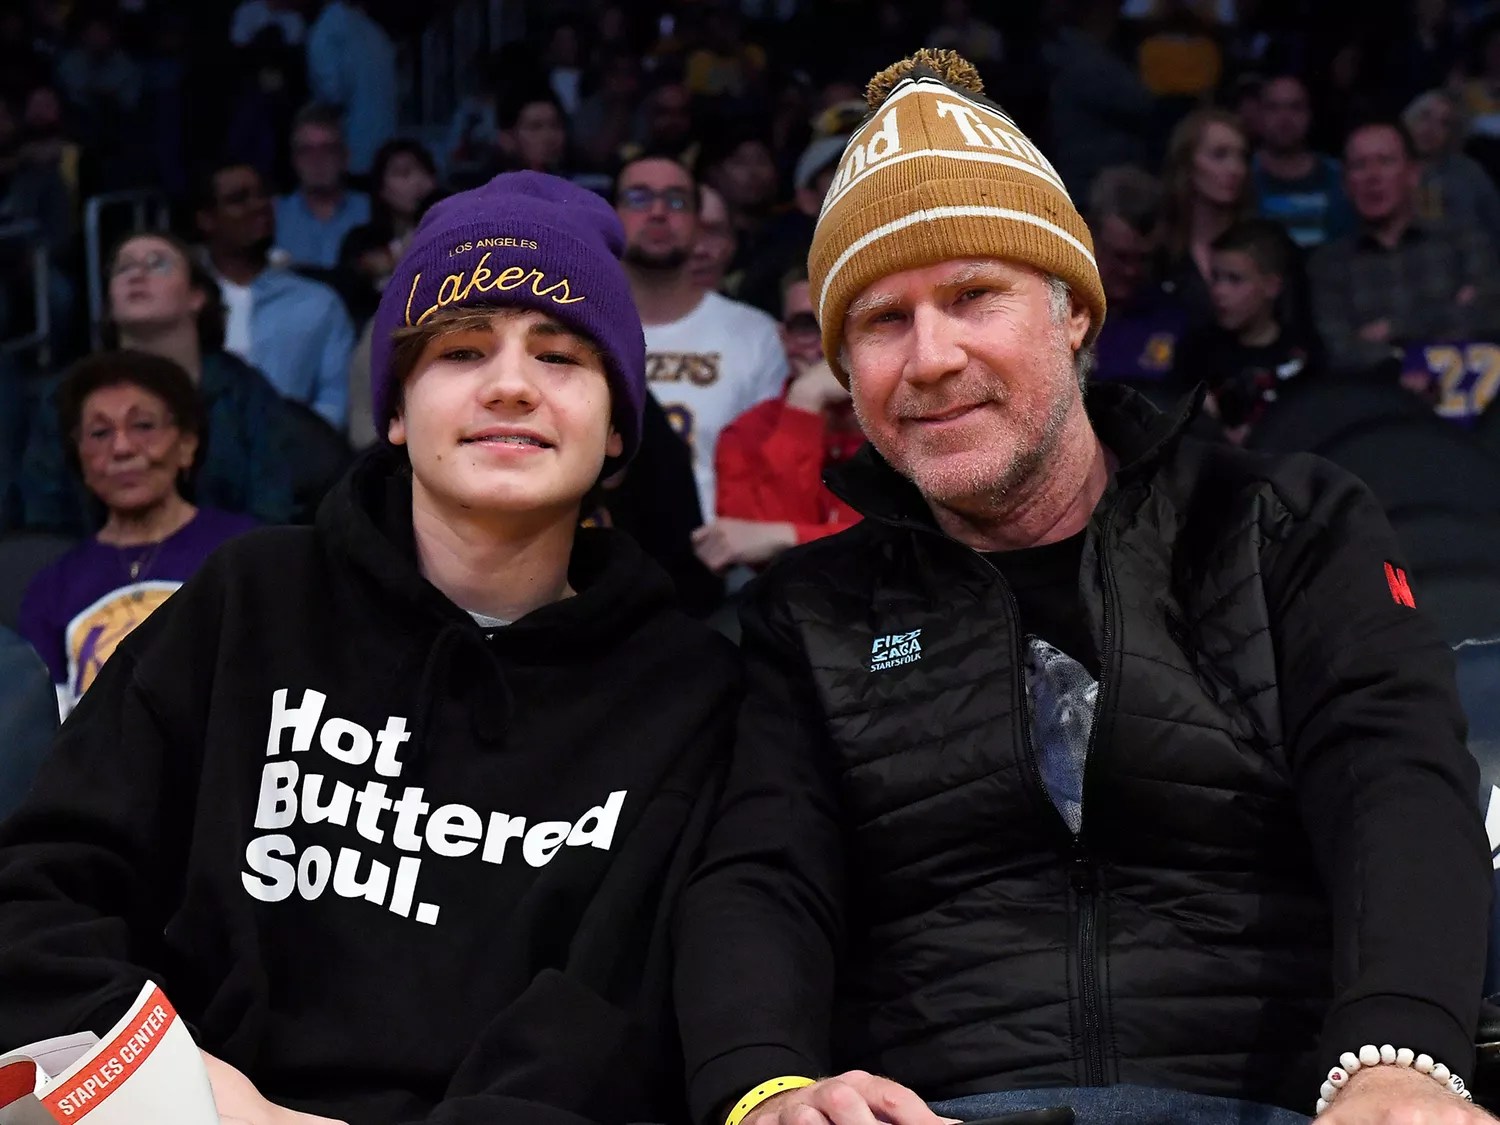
1061,696
94,634
707,369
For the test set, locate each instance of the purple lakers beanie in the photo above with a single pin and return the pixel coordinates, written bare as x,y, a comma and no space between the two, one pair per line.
523,240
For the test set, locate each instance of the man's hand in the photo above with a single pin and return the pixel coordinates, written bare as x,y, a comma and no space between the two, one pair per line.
854,1098
1376,332
240,1103
730,542
816,388
1387,1095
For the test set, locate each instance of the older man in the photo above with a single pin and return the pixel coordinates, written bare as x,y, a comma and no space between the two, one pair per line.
1097,766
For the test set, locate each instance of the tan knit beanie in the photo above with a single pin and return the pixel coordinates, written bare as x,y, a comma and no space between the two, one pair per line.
938,173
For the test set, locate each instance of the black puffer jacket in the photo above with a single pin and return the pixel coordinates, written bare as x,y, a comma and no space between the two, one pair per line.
1280,860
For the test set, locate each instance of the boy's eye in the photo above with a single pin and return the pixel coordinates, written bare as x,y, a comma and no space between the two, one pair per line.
558,357
460,354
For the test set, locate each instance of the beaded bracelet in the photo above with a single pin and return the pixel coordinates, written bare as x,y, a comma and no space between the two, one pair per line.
1371,1055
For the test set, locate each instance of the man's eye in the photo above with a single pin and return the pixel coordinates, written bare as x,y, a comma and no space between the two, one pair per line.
973,293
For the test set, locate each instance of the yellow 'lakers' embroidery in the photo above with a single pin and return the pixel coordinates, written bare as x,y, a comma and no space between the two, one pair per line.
457,287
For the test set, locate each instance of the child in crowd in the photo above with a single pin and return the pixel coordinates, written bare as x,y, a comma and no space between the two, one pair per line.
396,807
1252,349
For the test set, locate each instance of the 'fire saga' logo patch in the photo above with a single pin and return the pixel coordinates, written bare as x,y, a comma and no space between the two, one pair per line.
896,649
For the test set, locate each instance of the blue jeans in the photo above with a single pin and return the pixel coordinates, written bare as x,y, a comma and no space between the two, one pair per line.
1122,1105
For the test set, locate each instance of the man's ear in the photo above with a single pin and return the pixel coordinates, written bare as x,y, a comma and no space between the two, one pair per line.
1080,320
506,140
1274,283
614,445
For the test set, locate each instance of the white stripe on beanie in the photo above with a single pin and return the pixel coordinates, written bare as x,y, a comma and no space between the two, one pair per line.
936,214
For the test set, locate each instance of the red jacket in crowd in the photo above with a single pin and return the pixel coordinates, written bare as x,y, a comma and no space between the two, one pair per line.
770,466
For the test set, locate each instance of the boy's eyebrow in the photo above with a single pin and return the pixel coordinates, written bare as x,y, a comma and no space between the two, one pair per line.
553,329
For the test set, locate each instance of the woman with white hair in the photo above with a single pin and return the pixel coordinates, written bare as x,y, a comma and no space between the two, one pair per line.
1455,187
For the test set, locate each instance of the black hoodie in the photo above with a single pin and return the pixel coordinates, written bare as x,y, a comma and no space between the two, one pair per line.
390,867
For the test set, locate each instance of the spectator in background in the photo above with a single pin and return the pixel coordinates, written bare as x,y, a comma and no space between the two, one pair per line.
716,244
1480,94
606,117
163,303
97,76
1300,189
784,246
1100,111
964,32
1455,189
771,458
1400,280
532,131
103,86
708,359
292,329
404,179
46,138
1426,56
471,134
252,17
32,186
564,72
737,162
726,66
351,64
132,424
667,126
1250,350
312,221
1138,343
1179,56
1207,185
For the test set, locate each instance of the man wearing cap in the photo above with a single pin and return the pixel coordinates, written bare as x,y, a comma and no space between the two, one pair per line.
395,808
1097,766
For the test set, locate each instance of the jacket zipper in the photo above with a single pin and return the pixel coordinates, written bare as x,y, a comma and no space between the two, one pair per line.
1081,874
1085,874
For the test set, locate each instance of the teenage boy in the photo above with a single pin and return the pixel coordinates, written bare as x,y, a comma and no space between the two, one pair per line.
1249,353
396,807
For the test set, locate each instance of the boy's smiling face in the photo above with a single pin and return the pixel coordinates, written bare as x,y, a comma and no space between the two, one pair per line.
506,413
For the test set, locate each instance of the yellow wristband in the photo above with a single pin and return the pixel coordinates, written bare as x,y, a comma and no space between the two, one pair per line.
764,1091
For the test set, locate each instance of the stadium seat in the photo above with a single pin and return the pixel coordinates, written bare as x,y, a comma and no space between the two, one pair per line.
1308,415
1411,462
22,554
1487,429
28,717
1438,537
1463,601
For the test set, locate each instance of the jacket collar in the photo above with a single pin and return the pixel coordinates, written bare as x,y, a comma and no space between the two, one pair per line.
1137,432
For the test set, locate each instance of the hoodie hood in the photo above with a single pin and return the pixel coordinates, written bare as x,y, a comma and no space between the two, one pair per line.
367,528
366,521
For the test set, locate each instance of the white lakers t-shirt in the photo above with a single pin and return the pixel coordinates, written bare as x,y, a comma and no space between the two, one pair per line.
709,368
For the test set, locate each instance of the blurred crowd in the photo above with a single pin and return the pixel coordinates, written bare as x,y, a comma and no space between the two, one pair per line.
1279,191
